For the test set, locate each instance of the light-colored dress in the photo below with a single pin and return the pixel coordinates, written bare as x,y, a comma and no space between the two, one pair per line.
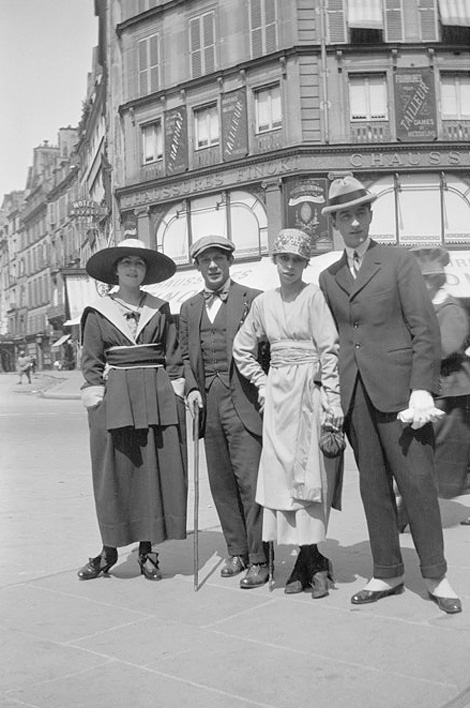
294,485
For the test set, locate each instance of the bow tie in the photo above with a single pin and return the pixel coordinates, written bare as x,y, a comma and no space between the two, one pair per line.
211,295
132,316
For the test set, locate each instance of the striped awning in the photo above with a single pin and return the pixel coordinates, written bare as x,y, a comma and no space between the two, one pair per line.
455,12
62,340
365,14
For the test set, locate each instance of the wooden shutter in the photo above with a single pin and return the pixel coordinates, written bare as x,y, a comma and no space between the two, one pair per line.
256,29
154,62
209,42
335,20
142,63
270,25
428,26
195,47
393,21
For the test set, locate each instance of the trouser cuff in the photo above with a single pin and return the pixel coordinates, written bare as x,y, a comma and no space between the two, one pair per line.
434,572
388,571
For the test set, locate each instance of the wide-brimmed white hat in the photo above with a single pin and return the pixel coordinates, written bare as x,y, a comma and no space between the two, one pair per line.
102,264
347,192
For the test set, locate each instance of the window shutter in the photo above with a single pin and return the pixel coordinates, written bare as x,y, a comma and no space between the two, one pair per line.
143,67
154,63
336,22
209,42
256,29
393,21
270,25
428,20
465,96
195,47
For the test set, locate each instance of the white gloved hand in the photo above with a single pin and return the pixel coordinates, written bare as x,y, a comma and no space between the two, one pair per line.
193,399
178,387
92,395
420,411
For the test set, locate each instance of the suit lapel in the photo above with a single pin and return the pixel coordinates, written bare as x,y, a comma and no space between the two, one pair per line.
371,265
343,275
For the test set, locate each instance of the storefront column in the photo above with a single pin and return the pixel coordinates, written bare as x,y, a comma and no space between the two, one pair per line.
143,226
272,190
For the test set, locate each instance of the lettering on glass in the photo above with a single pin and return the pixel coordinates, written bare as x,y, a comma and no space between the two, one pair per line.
415,101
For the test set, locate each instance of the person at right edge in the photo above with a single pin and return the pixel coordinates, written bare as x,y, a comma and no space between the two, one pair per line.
389,363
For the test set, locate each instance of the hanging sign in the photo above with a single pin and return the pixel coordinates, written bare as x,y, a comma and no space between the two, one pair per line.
176,141
234,125
415,101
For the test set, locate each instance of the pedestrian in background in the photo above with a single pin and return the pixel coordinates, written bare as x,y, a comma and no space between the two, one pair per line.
389,361
453,430
294,487
24,367
231,422
136,440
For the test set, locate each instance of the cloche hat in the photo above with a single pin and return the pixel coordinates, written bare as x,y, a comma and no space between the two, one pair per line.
431,260
347,192
102,264
202,244
292,241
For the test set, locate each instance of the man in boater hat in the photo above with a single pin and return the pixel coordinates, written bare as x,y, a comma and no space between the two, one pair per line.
232,422
389,364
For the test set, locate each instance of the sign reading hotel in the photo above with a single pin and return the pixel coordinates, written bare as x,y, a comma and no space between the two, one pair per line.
176,145
234,125
304,201
415,101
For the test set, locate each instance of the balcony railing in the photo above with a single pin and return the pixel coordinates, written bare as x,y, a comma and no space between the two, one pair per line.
370,132
456,129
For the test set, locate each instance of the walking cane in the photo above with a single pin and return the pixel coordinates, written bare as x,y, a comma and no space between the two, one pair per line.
271,565
196,494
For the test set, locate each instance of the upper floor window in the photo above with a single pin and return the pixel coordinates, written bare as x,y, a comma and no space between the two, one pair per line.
455,96
149,65
368,97
268,108
202,44
152,142
206,123
263,27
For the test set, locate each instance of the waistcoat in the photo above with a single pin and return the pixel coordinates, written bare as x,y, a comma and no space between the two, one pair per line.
214,347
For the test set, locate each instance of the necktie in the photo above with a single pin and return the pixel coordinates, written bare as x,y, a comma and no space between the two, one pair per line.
356,264
211,295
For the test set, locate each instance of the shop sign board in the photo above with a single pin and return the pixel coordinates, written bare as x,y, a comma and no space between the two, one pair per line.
234,125
176,142
415,101
305,199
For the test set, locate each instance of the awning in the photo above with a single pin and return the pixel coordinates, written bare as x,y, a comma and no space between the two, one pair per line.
455,12
60,341
365,14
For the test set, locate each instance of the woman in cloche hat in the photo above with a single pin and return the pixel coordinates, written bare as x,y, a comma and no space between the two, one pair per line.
132,368
296,485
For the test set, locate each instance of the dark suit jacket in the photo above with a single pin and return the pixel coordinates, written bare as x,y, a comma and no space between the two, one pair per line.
388,330
244,394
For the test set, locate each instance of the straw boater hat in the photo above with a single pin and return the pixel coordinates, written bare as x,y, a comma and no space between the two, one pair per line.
292,241
347,192
431,260
102,265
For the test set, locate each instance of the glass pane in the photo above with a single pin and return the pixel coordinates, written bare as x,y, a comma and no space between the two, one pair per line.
419,210
262,109
383,227
465,96
248,224
208,216
276,106
202,129
172,234
456,212
357,99
378,97
448,96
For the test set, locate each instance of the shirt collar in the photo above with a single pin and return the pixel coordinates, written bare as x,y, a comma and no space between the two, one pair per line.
360,250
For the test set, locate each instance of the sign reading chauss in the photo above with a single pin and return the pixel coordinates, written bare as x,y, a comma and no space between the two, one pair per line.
415,102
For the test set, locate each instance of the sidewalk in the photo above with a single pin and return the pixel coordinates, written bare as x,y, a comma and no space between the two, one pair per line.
124,642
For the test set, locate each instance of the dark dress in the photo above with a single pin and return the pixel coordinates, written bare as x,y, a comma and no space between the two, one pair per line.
136,440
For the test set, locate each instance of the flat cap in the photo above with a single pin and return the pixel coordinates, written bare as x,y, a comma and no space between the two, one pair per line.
202,244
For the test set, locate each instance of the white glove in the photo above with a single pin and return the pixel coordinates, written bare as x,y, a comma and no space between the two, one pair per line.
420,411
92,395
178,387
193,399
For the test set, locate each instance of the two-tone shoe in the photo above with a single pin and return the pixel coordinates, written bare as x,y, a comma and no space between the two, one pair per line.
256,575
364,597
99,565
233,566
449,605
149,566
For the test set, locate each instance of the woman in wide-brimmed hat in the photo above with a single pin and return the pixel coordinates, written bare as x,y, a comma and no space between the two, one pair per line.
296,485
132,368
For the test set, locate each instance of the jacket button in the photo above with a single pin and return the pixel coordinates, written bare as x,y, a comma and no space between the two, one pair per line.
357,346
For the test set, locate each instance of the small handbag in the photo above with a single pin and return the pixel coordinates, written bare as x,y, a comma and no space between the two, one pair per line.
332,441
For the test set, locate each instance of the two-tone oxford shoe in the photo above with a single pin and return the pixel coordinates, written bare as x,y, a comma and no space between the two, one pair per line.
364,597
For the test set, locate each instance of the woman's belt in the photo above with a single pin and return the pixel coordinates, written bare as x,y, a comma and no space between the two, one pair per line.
290,351
135,356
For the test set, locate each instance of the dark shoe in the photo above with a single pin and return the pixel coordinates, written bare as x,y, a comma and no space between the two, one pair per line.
465,522
298,579
363,597
256,575
233,566
98,565
149,567
319,581
450,605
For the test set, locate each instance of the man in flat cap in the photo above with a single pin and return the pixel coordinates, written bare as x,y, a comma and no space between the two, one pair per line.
389,364
232,422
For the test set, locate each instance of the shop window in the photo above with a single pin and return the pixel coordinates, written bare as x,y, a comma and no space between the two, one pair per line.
263,30
455,96
148,65
248,224
268,109
152,142
206,127
367,97
455,211
202,44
